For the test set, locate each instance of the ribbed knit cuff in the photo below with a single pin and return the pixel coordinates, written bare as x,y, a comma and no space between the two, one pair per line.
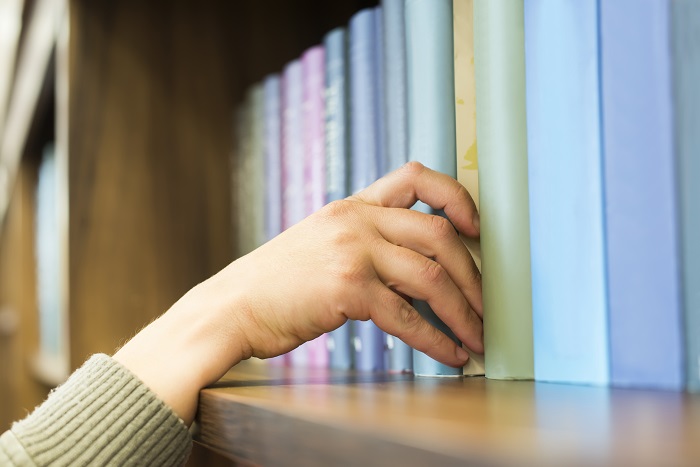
103,415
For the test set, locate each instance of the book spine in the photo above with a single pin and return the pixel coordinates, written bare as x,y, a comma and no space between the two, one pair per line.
643,257
465,128
569,305
365,140
339,342
431,120
686,68
336,114
499,56
293,209
313,69
273,157
257,167
365,153
293,160
395,97
241,177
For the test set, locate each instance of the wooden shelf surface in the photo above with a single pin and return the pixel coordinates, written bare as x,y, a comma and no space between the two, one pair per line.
275,416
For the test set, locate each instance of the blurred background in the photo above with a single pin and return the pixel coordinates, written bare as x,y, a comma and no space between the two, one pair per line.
115,149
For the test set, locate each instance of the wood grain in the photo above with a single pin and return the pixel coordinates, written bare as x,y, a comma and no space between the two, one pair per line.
151,97
264,415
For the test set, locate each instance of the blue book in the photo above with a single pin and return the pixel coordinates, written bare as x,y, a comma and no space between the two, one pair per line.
337,161
395,99
646,343
273,156
400,356
431,120
366,152
569,304
686,72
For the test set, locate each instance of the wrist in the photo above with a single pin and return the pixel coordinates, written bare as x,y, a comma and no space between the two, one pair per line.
189,347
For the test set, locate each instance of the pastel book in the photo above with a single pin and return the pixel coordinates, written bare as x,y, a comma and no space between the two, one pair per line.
642,222
273,165
337,141
499,66
400,358
366,152
293,209
431,121
686,72
313,81
567,247
465,128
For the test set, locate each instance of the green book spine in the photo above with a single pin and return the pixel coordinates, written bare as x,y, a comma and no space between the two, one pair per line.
499,62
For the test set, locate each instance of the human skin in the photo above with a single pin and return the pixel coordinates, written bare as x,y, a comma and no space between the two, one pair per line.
359,258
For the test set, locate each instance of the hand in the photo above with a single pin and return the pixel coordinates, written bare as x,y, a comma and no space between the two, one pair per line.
354,259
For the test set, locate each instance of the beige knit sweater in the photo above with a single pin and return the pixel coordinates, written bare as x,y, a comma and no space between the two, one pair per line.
103,415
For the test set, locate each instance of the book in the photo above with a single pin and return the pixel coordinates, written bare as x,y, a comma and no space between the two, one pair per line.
643,267
240,176
52,353
256,181
313,81
400,356
293,163
293,207
366,153
499,63
431,121
337,139
273,156
686,76
465,129
567,248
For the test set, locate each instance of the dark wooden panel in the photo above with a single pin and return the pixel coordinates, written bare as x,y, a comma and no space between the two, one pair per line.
272,416
20,392
152,91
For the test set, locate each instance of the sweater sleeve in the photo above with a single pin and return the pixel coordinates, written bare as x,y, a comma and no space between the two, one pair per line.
103,415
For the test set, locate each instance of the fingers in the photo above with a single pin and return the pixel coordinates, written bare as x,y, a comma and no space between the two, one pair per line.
413,274
396,316
412,182
433,237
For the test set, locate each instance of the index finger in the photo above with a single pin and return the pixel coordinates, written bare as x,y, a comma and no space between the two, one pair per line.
413,182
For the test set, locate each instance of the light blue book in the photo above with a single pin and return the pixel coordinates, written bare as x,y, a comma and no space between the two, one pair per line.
366,153
337,160
431,120
395,127
273,156
569,305
48,261
686,72
395,98
646,329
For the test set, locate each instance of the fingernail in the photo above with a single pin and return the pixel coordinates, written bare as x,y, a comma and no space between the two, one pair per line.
476,222
462,354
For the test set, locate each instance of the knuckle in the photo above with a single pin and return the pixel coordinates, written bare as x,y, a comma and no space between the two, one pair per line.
413,167
338,209
407,316
441,228
433,272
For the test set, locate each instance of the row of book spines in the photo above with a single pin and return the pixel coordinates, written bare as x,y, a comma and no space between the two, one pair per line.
529,107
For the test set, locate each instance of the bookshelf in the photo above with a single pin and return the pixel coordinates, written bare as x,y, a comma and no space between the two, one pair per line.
139,98
272,416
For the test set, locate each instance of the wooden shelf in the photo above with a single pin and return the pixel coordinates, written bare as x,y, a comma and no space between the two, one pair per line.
276,416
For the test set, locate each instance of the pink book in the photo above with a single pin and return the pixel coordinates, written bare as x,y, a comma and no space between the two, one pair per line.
313,82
